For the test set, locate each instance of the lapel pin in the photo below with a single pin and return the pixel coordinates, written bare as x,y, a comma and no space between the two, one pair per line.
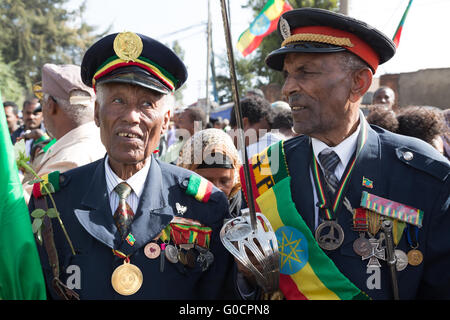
180,209
367,183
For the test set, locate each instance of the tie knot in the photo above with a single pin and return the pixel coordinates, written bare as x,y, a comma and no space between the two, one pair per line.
329,160
123,190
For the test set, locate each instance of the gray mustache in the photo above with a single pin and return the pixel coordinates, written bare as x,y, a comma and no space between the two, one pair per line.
295,99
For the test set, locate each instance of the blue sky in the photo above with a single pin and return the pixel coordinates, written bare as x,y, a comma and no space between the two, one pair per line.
424,42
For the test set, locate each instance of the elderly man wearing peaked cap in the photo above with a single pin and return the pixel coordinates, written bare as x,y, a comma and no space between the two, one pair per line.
141,229
68,112
344,184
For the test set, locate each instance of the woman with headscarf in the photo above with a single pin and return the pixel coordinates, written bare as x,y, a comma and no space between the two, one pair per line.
212,154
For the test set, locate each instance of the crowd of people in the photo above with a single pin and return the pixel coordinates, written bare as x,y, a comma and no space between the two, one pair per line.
144,190
429,124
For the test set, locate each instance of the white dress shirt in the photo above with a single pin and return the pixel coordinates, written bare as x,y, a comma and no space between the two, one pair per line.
344,150
136,182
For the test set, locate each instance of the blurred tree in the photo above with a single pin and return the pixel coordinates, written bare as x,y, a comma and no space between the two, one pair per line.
176,47
11,90
251,71
35,32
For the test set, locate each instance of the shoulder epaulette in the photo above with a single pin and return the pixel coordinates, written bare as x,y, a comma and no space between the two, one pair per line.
199,188
422,162
50,178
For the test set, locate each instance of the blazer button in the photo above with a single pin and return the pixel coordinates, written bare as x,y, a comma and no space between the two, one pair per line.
408,156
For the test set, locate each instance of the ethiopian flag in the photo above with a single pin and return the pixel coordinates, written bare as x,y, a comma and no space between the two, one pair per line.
263,25
21,275
398,32
306,272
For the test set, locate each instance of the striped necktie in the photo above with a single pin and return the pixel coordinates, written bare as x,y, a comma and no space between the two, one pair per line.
329,160
123,216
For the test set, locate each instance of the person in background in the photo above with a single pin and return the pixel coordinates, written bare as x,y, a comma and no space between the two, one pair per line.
384,96
446,133
424,123
12,116
282,121
212,154
32,130
255,92
226,125
257,117
68,112
384,118
280,105
187,121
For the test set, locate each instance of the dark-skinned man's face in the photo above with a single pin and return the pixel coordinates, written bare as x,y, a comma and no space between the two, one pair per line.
131,120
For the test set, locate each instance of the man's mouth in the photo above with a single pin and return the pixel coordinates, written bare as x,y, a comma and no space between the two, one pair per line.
128,135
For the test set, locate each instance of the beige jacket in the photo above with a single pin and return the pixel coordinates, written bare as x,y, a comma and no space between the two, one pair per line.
78,147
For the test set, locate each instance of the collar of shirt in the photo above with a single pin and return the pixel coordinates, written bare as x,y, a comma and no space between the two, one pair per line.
136,181
344,150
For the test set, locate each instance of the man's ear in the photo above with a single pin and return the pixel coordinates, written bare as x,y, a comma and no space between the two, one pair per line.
96,114
52,106
166,121
361,81
246,123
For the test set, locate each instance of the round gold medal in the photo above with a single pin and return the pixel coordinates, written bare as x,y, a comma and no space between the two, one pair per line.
415,257
127,279
128,46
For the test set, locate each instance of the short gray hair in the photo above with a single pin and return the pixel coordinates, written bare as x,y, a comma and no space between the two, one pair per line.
351,61
78,113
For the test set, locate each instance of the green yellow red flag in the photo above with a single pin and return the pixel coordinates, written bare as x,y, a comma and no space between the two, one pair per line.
306,272
398,32
263,25
21,275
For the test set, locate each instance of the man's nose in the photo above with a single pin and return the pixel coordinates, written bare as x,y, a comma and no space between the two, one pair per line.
132,114
290,86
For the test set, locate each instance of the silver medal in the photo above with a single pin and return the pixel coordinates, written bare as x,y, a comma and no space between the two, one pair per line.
171,253
362,245
402,260
332,239
374,254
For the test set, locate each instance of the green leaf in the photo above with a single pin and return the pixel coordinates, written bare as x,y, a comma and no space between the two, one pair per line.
38,213
52,213
34,181
50,187
37,224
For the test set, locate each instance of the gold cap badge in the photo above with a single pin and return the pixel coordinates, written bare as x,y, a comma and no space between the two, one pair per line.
37,90
128,46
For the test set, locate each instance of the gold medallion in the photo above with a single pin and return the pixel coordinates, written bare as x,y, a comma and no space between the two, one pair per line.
37,90
415,257
127,279
128,46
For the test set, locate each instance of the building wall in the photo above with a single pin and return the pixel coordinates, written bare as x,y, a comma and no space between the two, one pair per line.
429,87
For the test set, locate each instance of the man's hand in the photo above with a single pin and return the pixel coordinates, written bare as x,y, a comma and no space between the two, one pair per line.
33,134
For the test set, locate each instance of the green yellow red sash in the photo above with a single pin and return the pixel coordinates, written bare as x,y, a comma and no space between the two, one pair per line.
306,272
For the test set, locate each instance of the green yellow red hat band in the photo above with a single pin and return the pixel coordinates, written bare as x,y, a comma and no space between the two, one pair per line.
115,62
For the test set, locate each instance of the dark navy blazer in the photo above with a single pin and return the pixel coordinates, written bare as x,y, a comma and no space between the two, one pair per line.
85,210
422,182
